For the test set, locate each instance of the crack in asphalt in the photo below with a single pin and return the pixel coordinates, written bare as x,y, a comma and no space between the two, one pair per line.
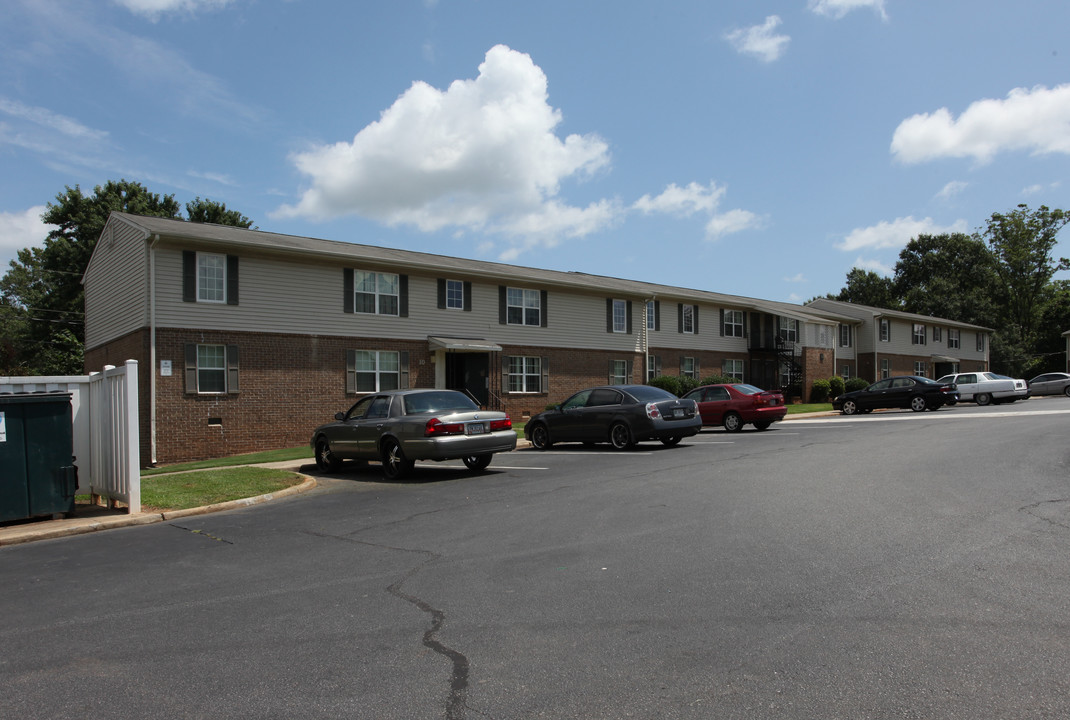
1036,506
457,703
202,533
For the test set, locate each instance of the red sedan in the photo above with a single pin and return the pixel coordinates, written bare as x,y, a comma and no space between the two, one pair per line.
737,404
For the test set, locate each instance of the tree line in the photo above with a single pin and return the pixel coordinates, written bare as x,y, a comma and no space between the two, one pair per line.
42,313
1000,277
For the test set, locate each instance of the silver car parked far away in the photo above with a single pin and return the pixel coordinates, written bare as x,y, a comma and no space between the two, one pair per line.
399,427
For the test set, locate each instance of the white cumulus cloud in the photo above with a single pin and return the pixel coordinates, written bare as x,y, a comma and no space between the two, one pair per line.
953,188
761,41
20,230
695,198
153,9
1035,120
730,222
838,8
874,265
895,234
480,155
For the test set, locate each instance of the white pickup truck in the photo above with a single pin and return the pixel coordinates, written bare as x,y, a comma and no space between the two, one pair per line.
986,387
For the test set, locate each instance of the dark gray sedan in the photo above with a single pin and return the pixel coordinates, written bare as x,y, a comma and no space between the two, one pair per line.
621,415
400,427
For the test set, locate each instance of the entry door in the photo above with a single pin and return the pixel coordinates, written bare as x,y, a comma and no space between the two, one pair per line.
469,372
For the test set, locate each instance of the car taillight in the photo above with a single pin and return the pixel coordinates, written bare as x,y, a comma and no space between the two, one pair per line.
652,411
506,424
435,426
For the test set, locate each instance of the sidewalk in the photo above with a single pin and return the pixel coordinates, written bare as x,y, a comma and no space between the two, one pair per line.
91,518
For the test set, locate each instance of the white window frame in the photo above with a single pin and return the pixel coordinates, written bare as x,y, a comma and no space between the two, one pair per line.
917,336
650,325
953,339
620,373
211,278
454,294
525,374
620,316
980,342
846,374
787,329
936,333
885,330
206,355
527,304
688,368
845,335
733,368
689,320
382,367
920,368
886,370
733,323
375,287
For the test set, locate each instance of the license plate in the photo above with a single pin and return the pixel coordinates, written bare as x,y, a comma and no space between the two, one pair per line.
678,412
474,429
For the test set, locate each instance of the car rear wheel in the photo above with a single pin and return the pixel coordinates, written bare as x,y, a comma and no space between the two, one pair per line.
762,424
670,441
982,398
1066,391
540,437
477,463
918,403
325,459
395,464
732,422
620,437
850,407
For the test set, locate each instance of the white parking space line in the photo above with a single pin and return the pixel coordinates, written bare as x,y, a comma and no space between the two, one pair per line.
944,415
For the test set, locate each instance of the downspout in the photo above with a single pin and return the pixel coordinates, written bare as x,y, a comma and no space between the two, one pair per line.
646,337
152,350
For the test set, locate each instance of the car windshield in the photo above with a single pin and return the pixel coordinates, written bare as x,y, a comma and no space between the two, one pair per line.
437,401
649,393
748,389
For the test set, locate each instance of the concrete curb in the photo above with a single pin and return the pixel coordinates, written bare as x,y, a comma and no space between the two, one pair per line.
19,534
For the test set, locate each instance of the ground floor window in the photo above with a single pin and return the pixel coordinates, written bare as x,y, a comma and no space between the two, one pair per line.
846,374
733,369
653,367
376,370
211,369
688,367
619,372
525,374
885,369
919,368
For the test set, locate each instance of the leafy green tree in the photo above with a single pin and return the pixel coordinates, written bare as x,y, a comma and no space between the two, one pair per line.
949,276
42,321
865,287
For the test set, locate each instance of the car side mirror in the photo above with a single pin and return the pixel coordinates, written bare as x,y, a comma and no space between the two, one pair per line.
339,416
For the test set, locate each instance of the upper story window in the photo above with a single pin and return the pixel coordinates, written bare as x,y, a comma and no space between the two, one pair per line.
886,330
618,316
455,294
788,329
688,319
936,334
733,323
980,342
845,336
952,338
376,293
653,315
918,336
523,307
209,277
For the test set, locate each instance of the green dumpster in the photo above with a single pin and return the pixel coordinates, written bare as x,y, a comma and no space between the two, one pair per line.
37,473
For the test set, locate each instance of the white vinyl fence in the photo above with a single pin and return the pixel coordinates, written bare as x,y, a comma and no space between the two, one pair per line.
104,406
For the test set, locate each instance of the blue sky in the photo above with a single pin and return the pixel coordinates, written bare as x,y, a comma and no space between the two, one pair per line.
747,147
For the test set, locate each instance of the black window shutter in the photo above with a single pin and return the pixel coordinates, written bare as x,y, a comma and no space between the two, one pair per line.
722,322
545,375
501,305
610,372
679,317
505,374
232,279
542,306
744,316
657,314
441,293
347,291
191,369
403,295
189,278
351,371
403,380
629,323
609,315
694,315
467,296
232,370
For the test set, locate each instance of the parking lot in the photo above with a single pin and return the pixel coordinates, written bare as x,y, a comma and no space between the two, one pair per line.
896,564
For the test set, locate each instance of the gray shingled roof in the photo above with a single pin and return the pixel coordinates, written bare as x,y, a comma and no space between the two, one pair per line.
913,317
314,247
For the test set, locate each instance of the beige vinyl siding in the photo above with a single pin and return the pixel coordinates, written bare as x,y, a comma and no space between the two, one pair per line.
819,336
116,287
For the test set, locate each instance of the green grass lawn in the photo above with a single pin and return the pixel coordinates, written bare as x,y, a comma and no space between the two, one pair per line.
809,407
206,487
